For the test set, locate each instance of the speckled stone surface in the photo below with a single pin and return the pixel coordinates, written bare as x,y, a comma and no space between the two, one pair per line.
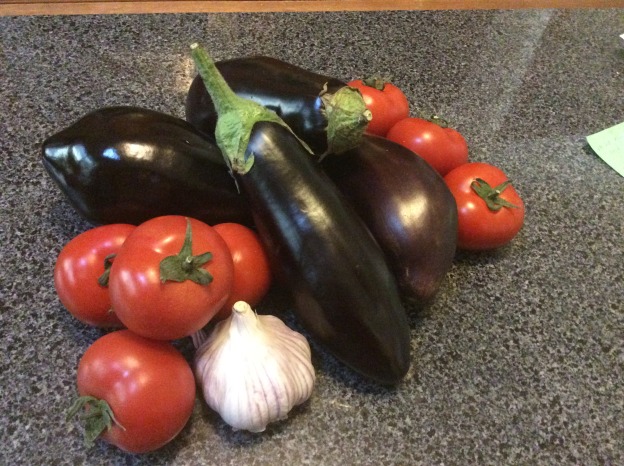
520,359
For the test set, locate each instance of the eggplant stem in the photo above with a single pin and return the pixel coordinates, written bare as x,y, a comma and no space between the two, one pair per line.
236,116
222,95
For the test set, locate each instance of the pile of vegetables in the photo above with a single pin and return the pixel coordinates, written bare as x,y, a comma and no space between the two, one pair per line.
278,175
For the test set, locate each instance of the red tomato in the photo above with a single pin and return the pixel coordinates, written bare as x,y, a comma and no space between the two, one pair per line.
78,268
169,307
147,384
386,102
252,273
443,148
475,186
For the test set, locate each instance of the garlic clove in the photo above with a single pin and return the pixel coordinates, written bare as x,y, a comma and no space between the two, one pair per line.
253,369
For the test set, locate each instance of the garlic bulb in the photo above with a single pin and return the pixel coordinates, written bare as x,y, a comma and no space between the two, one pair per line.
253,369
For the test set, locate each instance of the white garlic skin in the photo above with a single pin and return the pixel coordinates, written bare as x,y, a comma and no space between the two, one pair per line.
254,369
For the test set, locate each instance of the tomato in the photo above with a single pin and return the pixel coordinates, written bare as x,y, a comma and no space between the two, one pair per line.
170,277
490,211
78,268
145,385
252,273
442,147
386,102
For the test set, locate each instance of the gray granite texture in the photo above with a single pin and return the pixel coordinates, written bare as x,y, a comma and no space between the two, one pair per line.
520,359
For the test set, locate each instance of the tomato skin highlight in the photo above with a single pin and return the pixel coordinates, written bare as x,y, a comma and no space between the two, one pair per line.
388,106
169,310
443,148
78,267
479,227
148,384
252,272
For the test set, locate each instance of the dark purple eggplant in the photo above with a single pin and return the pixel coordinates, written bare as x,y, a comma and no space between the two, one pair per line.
322,111
344,292
128,164
408,208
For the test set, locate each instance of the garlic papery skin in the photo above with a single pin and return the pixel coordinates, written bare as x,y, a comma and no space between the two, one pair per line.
253,369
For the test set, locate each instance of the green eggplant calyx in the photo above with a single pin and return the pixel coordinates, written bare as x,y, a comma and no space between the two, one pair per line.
184,265
375,82
347,118
98,417
108,262
490,195
236,116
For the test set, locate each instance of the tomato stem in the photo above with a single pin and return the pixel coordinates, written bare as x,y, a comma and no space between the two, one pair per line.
108,262
375,82
184,265
490,195
98,417
438,120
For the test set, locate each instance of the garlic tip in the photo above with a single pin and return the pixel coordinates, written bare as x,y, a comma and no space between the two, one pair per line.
241,307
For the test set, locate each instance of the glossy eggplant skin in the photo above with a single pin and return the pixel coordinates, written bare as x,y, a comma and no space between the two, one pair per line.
408,208
344,293
129,164
290,91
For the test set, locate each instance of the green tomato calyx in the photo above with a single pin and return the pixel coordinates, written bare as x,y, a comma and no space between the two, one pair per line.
184,265
375,82
438,120
108,262
98,417
491,195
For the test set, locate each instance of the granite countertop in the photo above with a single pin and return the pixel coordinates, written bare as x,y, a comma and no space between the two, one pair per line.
519,360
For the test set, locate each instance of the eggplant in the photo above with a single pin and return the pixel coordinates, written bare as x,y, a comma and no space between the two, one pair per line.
408,208
344,293
129,164
403,201
324,112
